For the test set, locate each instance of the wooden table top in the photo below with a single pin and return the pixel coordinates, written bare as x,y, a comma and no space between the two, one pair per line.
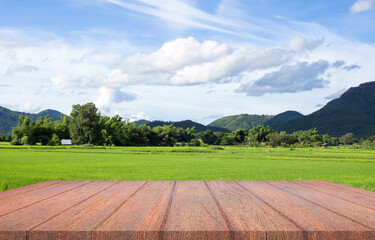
187,210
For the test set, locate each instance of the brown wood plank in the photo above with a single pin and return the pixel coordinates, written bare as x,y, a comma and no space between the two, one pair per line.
141,216
78,221
362,215
249,216
25,189
194,214
19,201
16,224
359,196
343,187
317,222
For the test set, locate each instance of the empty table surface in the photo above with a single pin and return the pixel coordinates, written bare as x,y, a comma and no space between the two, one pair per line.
187,210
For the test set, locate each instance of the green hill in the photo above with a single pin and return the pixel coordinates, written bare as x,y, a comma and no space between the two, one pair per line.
188,124
282,118
9,118
353,112
245,121
141,122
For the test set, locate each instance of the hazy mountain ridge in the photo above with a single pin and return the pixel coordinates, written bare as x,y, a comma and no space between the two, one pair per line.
182,124
353,112
282,118
9,118
244,121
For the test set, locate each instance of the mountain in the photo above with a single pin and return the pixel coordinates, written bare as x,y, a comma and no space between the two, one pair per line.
9,118
353,112
141,122
245,121
187,124
282,118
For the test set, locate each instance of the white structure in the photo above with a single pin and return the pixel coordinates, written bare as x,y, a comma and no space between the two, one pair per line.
65,142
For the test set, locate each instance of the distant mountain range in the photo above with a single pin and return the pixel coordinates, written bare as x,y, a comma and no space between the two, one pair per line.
353,112
282,118
245,121
182,124
9,118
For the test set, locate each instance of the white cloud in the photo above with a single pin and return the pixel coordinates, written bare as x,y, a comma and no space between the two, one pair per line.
352,67
299,77
188,61
64,81
109,96
300,44
30,108
361,6
22,68
138,116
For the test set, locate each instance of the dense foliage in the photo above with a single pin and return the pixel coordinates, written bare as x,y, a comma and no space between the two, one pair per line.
185,124
87,126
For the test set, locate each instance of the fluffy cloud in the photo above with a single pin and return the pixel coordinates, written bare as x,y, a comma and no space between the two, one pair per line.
16,67
352,67
188,61
300,44
361,6
65,81
299,77
30,108
338,63
109,96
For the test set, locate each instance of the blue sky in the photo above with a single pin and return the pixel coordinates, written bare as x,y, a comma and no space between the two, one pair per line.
183,59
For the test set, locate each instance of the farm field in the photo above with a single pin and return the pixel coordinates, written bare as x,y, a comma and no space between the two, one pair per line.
25,165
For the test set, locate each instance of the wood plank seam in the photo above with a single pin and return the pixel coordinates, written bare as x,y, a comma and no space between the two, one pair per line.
85,199
34,189
304,231
333,195
222,212
44,199
101,223
330,184
370,228
161,230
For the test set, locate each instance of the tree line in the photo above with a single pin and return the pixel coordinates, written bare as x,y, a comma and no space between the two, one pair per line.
87,126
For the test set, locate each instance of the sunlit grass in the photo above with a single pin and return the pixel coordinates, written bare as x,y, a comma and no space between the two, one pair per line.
24,165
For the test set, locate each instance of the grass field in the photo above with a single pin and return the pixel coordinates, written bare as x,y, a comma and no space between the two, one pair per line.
24,165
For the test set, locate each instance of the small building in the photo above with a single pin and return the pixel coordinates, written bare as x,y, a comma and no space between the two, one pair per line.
324,145
66,142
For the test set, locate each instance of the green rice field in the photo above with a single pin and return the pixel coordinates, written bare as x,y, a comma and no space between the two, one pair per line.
24,165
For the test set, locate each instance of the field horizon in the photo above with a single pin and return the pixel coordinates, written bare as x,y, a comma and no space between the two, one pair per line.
25,165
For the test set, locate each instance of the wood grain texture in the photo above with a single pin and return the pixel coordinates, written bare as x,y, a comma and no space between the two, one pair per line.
25,189
11,204
141,216
317,222
194,214
16,224
355,195
83,218
249,216
114,210
362,215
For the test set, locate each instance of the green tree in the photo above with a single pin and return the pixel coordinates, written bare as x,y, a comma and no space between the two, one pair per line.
347,139
209,137
259,133
84,124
